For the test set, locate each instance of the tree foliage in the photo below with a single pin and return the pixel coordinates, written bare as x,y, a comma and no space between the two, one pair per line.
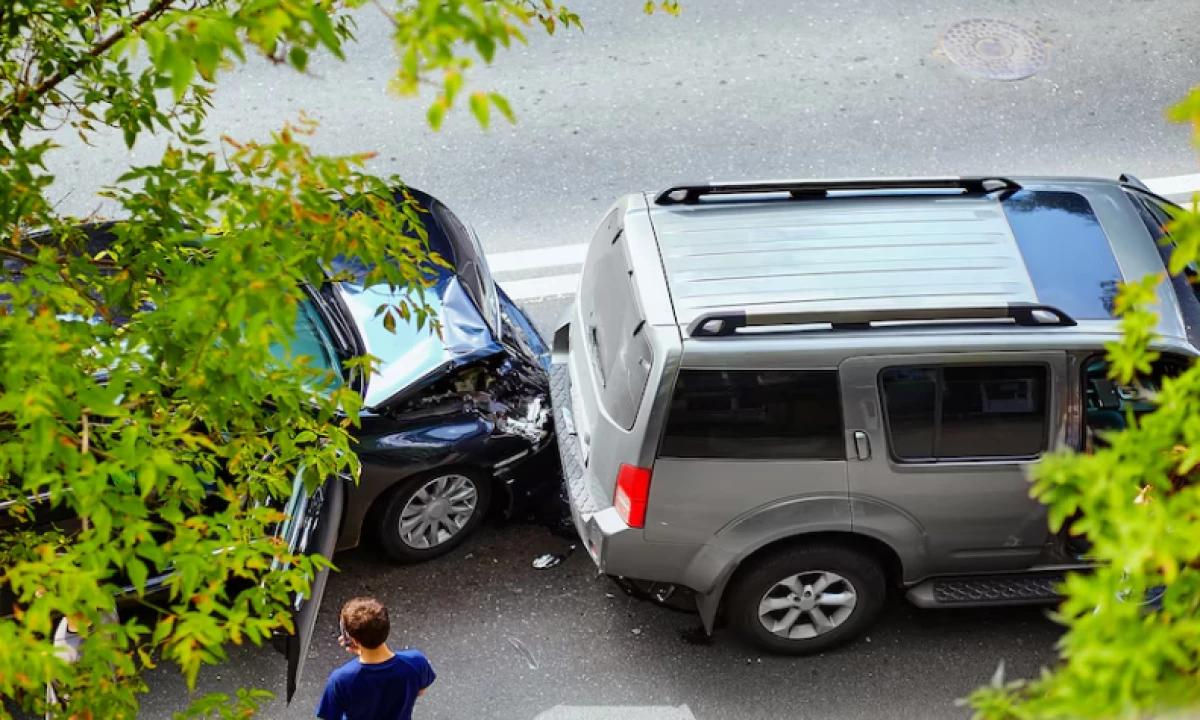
140,382
1138,503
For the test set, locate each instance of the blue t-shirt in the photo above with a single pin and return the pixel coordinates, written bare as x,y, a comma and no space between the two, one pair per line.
379,691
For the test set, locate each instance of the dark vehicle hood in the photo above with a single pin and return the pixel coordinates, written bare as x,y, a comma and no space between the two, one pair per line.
411,358
476,318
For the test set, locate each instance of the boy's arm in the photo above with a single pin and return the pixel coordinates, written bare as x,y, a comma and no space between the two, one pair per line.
330,707
427,675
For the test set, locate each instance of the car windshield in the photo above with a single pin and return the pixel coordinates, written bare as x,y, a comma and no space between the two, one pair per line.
314,344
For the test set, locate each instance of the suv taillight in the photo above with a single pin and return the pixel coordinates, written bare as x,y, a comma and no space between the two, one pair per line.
633,490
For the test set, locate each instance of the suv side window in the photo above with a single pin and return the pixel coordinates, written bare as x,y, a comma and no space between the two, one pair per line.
966,412
755,415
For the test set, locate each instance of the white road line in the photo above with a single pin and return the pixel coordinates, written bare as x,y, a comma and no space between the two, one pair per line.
542,287
1175,185
617,712
572,255
544,257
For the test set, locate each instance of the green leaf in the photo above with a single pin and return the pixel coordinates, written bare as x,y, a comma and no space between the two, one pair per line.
436,114
298,56
480,108
138,573
454,82
486,45
182,71
389,322
323,29
502,105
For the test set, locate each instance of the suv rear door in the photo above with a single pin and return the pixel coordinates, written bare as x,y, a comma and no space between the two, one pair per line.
940,449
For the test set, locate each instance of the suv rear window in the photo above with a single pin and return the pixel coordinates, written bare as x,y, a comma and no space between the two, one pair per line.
755,414
966,412
1066,251
613,329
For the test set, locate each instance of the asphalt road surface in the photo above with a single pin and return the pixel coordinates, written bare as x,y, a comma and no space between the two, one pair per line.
734,89
515,643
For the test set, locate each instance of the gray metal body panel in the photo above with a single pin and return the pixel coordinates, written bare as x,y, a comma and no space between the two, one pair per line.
705,517
946,517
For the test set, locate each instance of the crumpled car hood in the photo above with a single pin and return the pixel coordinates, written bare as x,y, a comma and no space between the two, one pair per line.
417,357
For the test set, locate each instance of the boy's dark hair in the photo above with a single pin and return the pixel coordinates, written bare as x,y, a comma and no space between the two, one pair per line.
366,621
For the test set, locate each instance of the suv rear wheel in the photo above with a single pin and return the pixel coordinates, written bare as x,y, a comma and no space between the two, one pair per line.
808,599
429,515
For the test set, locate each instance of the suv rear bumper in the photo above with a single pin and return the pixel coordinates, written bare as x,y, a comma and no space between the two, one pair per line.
608,540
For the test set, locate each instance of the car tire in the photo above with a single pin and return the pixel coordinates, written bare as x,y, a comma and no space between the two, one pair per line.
430,500
815,598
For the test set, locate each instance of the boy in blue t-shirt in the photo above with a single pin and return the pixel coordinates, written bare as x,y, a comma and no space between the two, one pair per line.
379,684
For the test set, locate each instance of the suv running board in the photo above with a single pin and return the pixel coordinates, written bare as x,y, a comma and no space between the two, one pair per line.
988,590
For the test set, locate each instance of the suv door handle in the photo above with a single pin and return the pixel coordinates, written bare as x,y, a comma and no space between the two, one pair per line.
862,445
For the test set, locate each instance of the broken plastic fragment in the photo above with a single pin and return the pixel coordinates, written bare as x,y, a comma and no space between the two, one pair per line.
549,560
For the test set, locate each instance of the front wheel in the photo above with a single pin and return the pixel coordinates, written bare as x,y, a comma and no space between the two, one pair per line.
429,515
808,599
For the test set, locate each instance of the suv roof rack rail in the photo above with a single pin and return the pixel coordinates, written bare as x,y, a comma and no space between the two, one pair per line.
1132,181
726,323
691,194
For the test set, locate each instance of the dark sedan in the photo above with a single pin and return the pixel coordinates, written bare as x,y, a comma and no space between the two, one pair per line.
455,425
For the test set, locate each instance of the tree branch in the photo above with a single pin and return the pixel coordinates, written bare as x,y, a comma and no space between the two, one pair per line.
157,8
27,259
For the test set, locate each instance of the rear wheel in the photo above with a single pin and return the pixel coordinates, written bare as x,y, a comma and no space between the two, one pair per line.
808,599
429,515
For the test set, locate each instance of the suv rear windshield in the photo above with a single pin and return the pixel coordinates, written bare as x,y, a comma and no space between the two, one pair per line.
755,414
613,327
1066,252
965,412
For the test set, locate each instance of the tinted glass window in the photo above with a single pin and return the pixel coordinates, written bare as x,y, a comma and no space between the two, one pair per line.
910,395
966,412
1157,216
755,415
1066,252
312,341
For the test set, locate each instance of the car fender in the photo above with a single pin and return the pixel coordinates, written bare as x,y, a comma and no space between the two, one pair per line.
390,456
896,528
712,567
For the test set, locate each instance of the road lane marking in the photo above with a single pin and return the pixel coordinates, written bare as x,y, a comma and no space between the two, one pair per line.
617,712
542,287
1175,185
544,257
564,256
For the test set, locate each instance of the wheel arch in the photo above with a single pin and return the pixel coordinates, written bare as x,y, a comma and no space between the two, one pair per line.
713,605
379,492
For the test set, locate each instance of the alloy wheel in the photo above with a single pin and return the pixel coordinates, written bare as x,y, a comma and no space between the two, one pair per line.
438,511
807,605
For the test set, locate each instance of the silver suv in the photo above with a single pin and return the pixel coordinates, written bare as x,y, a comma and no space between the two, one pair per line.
788,397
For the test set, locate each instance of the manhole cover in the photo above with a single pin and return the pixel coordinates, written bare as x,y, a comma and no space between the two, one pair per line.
993,49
